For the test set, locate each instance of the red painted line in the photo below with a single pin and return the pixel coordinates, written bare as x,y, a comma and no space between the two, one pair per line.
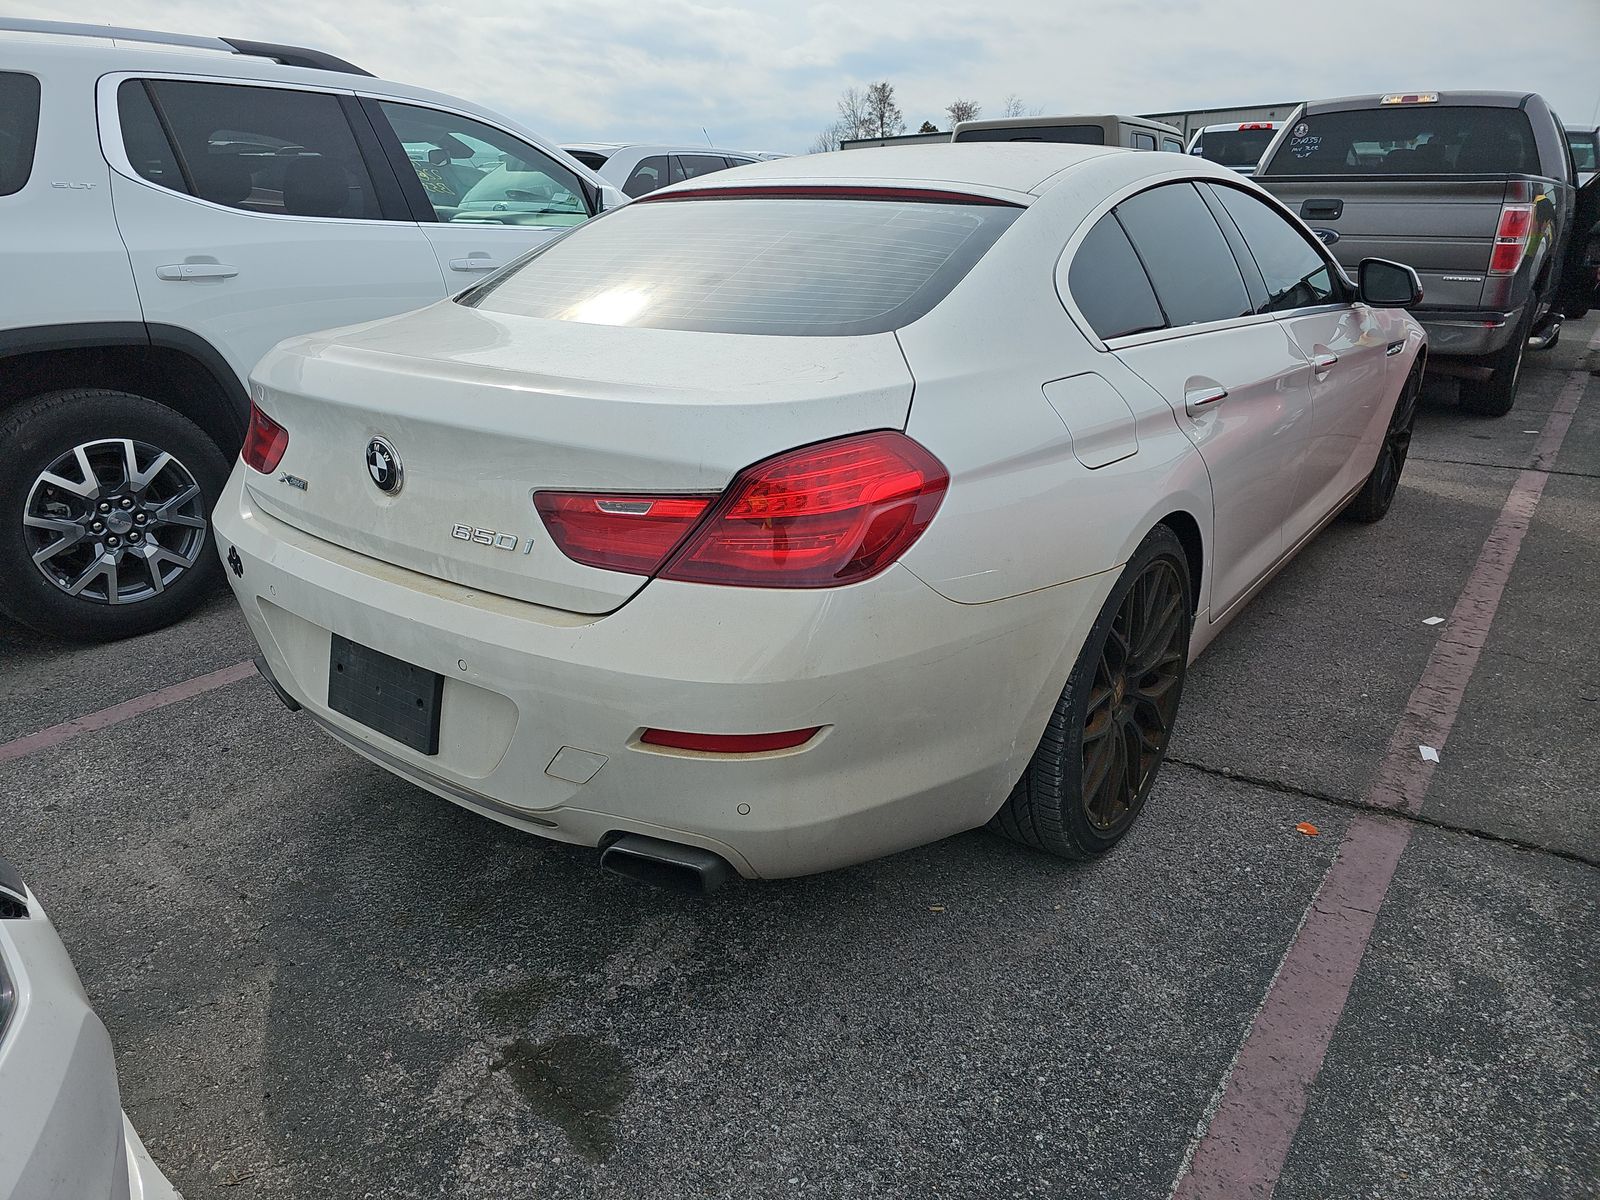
1252,1121
43,739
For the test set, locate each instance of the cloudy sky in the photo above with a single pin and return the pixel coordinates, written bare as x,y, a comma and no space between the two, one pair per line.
765,76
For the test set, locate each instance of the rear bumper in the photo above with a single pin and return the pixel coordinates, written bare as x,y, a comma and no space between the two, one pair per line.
62,1130
1459,333
929,709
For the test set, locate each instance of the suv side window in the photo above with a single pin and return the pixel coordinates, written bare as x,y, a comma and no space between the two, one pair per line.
650,174
689,166
475,174
19,129
1110,286
1185,254
260,149
1296,275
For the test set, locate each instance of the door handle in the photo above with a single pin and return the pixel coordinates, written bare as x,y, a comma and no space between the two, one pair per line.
1323,361
1196,398
181,271
477,262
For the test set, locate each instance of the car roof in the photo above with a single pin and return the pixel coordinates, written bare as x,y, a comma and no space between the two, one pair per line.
1445,99
1016,168
653,148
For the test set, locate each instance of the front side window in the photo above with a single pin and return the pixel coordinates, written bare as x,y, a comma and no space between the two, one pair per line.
1110,286
1409,139
1584,150
19,129
1184,253
265,150
1295,274
765,265
475,174
650,174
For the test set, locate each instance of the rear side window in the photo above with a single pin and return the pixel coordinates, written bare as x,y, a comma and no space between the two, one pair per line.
1108,284
1077,135
650,174
592,159
19,129
1143,141
1172,146
1409,139
264,150
692,166
1185,255
1584,150
1233,147
1295,274
812,267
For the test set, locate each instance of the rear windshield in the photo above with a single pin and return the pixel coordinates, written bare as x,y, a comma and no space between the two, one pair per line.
19,127
1233,147
1412,139
817,267
1077,135
1584,150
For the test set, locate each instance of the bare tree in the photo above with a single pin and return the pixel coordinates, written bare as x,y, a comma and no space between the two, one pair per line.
826,141
1014,107
883,114
963,110
855,115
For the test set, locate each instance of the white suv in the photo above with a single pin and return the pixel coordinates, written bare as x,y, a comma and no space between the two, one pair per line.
639,170
171,207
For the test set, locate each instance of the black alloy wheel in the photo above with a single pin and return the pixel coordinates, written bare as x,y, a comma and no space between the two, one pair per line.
1375,497
1104,743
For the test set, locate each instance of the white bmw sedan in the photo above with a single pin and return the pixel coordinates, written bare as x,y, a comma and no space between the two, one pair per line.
821,508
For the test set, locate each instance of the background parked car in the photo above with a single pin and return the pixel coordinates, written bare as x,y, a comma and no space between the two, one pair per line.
1136,133
1585,145
1238,147
170,207
638,169
1474,189
894,491
62,1130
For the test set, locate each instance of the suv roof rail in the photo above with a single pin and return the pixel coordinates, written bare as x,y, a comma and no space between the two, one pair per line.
289,56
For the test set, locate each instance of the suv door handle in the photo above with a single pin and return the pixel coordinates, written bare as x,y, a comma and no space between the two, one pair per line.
1323,361
1196,398
182,271
475,262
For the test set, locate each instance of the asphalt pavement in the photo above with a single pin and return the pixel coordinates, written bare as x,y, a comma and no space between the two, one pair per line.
322,981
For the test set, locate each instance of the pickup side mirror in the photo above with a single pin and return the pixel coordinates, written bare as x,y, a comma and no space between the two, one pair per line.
1385,284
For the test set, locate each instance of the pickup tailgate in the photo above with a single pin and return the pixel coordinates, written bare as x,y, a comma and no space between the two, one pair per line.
1443,228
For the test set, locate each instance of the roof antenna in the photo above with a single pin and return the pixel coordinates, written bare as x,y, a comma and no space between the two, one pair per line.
709,142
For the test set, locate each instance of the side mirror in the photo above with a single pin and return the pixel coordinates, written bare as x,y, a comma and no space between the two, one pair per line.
1385,284
612,197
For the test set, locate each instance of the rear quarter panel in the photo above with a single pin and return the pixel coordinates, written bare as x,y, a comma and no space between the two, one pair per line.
1023,512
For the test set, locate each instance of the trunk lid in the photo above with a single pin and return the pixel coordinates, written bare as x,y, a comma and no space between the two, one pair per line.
483,408
1443,228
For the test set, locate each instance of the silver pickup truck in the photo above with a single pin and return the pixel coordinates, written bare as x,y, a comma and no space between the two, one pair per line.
1476,191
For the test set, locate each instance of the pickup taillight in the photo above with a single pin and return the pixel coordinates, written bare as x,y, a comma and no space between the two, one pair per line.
1512,233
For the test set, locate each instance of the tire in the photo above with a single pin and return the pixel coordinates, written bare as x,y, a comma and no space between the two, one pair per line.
1074,801
1377,494
1493,397
145,475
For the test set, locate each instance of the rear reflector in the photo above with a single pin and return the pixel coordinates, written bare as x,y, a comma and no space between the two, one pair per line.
822,516
1511,238
618,532
264,442
729,743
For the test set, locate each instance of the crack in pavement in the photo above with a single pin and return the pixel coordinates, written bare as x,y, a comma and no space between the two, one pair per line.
1290,789
1465,462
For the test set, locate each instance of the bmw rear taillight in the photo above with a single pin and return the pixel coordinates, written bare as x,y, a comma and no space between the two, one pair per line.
264,442
618,532
822,516
1511,238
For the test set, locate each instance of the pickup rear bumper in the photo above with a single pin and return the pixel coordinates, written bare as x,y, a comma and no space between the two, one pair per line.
1467,333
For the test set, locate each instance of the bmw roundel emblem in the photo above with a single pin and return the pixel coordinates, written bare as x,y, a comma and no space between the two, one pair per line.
383,464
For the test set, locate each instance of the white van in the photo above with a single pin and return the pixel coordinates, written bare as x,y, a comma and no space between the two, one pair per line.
1136,133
